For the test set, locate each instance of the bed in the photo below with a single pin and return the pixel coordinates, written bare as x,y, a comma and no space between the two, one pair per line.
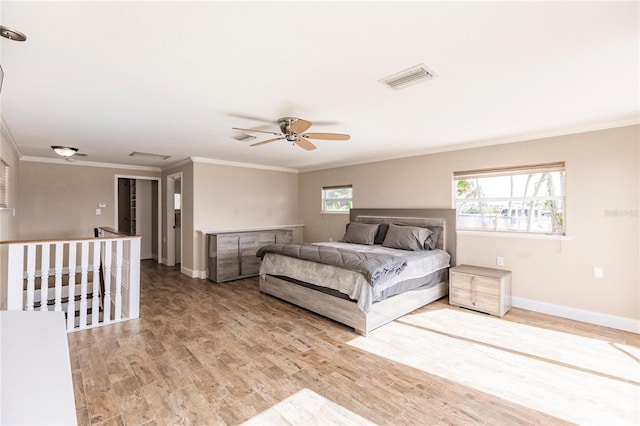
345,295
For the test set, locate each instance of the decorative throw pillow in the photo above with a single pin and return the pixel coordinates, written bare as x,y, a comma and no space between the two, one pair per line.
382,232
432,241
360,233
406,237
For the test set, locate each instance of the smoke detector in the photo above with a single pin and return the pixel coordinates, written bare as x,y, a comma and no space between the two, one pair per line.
408,77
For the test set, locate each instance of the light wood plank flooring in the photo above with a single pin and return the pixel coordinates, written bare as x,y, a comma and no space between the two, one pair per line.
207,354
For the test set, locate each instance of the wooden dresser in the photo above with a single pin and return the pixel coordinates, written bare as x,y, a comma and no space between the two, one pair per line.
232,256
481,289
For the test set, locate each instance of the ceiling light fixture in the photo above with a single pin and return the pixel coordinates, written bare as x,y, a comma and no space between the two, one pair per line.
64,151
12,34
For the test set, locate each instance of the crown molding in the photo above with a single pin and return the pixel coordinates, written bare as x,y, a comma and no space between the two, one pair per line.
89,164
246,165
487,142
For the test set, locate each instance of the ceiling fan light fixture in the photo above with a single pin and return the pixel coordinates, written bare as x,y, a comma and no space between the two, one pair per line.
408,77
64,151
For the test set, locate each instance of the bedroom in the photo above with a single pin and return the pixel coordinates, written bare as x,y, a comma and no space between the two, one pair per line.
549,276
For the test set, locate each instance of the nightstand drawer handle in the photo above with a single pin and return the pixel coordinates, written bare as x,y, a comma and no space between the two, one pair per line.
473,290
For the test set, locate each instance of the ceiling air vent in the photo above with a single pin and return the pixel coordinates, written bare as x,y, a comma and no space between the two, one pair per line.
243,137
408,77
149,156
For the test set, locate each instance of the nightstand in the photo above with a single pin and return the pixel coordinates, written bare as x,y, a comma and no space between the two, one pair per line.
482,289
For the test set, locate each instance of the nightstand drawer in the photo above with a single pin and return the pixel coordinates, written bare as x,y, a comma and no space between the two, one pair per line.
474,282
481,301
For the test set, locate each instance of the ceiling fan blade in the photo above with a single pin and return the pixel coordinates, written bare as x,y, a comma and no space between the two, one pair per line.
327,136
300,126
259,131
267,141
305,144
251,117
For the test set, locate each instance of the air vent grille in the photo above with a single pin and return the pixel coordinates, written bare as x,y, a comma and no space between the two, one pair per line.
408,77
149,155
243,137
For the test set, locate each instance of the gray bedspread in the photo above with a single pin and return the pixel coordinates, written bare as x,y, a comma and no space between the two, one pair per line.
376,267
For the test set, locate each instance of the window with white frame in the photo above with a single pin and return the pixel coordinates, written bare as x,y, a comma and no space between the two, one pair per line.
337,199
525,199
4,184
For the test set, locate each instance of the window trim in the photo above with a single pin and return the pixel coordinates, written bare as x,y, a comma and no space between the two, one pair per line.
323,205
5,176
524,200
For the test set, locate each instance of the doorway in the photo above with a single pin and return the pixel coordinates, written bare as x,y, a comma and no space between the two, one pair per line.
138,212
174,219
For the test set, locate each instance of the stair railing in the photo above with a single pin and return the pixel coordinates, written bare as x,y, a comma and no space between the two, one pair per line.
64,275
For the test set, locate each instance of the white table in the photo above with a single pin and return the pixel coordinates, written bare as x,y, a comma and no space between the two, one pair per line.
35,370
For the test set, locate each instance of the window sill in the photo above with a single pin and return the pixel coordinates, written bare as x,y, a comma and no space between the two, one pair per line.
334,212
522,235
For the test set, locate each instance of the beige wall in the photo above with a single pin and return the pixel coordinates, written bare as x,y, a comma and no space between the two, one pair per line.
601,177
239,197
60,200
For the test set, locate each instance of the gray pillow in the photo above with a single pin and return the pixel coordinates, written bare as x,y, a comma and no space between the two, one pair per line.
406,237
432,241
360,233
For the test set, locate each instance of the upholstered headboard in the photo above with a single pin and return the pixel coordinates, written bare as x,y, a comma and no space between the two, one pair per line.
445,218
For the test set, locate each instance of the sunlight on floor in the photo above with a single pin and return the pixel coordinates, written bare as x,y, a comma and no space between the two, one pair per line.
307,408
578,379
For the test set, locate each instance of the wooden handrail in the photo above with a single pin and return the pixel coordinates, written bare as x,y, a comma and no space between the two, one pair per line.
67,239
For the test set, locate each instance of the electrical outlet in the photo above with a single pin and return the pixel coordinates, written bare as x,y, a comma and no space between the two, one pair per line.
330,239
598,272
500,261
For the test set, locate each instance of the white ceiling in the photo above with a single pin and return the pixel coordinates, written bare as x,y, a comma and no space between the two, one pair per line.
174,77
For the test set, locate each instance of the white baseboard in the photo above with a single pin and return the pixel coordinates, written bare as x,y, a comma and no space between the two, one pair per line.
606,320
193,273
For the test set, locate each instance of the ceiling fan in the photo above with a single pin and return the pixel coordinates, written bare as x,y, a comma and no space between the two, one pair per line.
292,129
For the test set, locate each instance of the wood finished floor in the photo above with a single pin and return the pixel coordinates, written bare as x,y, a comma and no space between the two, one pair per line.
205,354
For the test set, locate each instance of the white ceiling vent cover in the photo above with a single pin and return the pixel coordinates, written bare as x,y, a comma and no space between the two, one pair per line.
243,137
408,77
149,155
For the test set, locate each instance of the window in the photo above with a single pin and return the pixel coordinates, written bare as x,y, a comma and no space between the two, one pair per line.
4,184
520,199
337,199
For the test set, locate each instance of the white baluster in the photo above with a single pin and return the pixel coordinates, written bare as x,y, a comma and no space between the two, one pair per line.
15,278
44,277
71,305
58,273
118,305
134,278
31,275
84,269
95,306
106,260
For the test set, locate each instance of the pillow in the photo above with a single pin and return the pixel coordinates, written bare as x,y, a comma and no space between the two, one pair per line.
432,240
406,237
360,233
382,232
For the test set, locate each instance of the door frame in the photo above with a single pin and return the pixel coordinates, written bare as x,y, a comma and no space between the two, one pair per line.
159,195
171,220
